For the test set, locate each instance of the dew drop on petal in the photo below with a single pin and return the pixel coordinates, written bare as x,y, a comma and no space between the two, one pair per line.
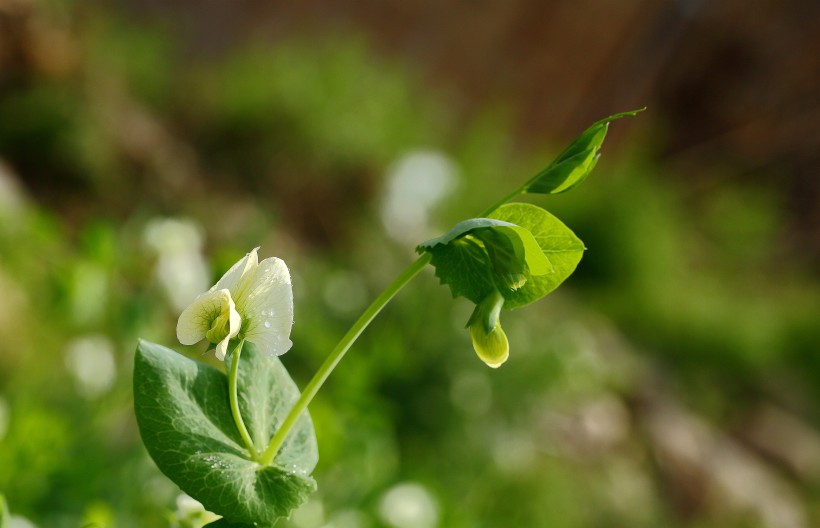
267,324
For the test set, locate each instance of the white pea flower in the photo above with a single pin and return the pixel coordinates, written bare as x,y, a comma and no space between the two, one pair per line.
252,301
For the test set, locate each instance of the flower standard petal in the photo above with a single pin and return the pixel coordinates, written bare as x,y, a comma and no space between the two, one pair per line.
234,278
266,304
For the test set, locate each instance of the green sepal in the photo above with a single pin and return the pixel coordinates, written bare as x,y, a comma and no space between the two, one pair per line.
574,164
184,417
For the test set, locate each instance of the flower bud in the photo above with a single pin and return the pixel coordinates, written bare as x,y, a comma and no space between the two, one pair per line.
489,340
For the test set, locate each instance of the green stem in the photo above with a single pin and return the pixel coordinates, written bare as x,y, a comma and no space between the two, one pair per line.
336,355
502,201
237,415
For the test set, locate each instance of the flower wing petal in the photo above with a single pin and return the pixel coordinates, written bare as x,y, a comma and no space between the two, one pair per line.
196,319
267,307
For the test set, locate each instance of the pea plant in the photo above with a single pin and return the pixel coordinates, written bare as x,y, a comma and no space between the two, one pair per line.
241,441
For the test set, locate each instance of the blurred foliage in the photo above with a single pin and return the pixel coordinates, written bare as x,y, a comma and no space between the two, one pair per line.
688,322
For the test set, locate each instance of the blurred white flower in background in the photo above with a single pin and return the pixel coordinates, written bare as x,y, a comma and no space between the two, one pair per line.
18,521
409,505
12,197
90,360
345,292
348,519
415,184
181,269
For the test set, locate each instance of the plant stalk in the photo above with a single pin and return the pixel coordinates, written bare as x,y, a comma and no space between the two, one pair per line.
237,415
337,354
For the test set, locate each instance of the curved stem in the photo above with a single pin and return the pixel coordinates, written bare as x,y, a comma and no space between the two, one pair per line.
336,355
232,394
504,200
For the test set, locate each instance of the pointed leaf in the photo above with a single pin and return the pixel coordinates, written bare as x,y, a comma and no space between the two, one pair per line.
557,242
185,421
575,163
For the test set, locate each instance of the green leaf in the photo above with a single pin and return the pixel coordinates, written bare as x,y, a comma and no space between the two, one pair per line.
522,238
464,266
506,253
480,255
459,230
575,163
224,523
562,249
184,417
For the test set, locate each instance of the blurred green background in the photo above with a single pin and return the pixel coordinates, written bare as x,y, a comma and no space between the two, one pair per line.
674,380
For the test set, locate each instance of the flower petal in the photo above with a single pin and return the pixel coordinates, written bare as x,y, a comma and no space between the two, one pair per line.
235,324
222,349
233,278
266,304
197,318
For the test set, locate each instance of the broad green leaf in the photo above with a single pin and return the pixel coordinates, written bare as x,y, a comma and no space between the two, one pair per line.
562,249
575,163
459,230
480,255
464,266
183,413
506,253
537,263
